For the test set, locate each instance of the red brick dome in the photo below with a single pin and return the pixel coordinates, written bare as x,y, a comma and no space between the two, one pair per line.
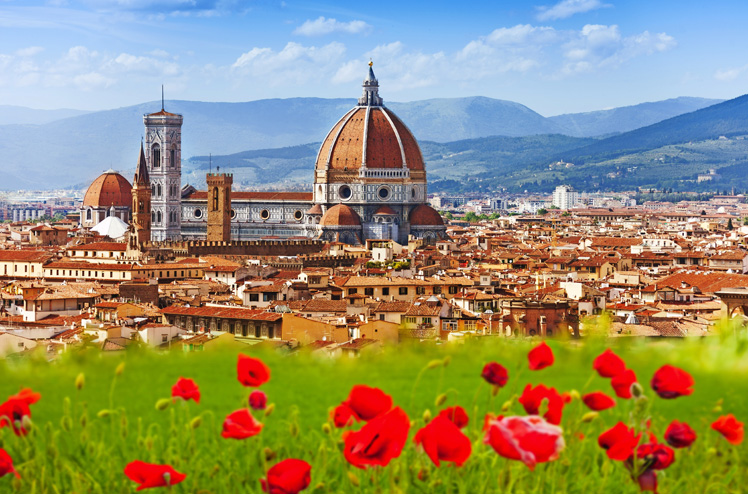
423,215
109,189
340,215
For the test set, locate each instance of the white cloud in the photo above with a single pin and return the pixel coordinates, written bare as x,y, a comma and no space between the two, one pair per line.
567,8
728,75
30,51
295,63
322,26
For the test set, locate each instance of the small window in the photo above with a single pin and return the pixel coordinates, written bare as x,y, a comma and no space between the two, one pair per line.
403,290
254,297
369,292
386,291
352,291
420,290
345,192
233,214
164,338
383,193
156,157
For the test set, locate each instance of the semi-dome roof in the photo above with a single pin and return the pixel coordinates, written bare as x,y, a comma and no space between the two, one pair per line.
371,135
109,189
340,215
423,215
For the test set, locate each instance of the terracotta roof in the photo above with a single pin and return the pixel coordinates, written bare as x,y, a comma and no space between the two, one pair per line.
387,141
113,246
321,305
90,266
394,306
24,255
163,113
340,215
316,209
385,209
223,312
424,215
109,189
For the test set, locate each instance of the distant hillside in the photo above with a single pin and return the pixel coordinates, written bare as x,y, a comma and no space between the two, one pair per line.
626,118
21,115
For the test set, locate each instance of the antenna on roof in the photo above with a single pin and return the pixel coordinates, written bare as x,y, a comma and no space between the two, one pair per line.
162,97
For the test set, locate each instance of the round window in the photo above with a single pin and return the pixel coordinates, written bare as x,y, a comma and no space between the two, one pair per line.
264,214
198,213
345,192
383,193
233,214
298,215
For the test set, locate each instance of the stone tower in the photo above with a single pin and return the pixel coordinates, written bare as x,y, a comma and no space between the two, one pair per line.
163,151
141,202
219,206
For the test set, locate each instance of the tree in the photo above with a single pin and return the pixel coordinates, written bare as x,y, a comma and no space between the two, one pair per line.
448,215
729,224
471,217
542,211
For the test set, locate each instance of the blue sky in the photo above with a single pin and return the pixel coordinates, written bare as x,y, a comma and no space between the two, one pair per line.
552,56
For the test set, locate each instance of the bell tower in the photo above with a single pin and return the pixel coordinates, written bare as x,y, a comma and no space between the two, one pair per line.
163,154
141,202
219,206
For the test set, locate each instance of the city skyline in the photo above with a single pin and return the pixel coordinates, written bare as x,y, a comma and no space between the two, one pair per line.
554,57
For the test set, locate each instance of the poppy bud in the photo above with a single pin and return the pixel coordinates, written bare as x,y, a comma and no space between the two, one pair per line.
104,413
426,415
574,394
447,360
80,380
435,364
589,417
163,404
269,454
269,409
84,420
636,390
506,406
120,369
196,422
440,399
354,479
293,429
326,428
66,423
26,422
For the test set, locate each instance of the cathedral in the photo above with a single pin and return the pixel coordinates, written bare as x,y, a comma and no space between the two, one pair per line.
369,183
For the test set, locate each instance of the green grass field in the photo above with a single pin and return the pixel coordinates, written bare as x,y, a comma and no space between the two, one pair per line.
73,448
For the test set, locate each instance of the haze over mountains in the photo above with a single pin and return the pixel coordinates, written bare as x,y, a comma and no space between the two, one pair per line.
74,150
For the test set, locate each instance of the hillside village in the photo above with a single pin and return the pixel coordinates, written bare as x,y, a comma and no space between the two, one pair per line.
660,270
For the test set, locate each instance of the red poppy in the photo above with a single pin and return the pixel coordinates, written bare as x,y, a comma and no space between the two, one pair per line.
240,425
12,413
379,441
456,414
289,476
598,401
442,440
495,373
656,456
258,400
343,416
6,464
679,434
672,382
367,402
648,481
608,364
540,357
151,475
27,395
186,389
530,440
252,372
532,399
730,428
619,442
622,383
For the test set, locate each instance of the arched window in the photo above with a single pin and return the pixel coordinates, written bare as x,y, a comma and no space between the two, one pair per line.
153,217
215,199
156,156
153,190
88,214
158,190
158,217
172,157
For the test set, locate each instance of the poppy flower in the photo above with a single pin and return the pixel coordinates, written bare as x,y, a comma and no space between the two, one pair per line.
530,440
656,456
730,428
6,464
379,441
258,400
648,481
540,357
532,399
442,440
456,414
343,416
151,475
598,401
289,476
241,425
367,402
495,373
252,372
186,389
12,414
608,364
679,434
671,382
27,395
619,442
622,383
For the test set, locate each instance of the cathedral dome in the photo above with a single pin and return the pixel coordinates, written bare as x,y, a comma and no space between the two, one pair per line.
369,135
340,215
424,215
109,189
